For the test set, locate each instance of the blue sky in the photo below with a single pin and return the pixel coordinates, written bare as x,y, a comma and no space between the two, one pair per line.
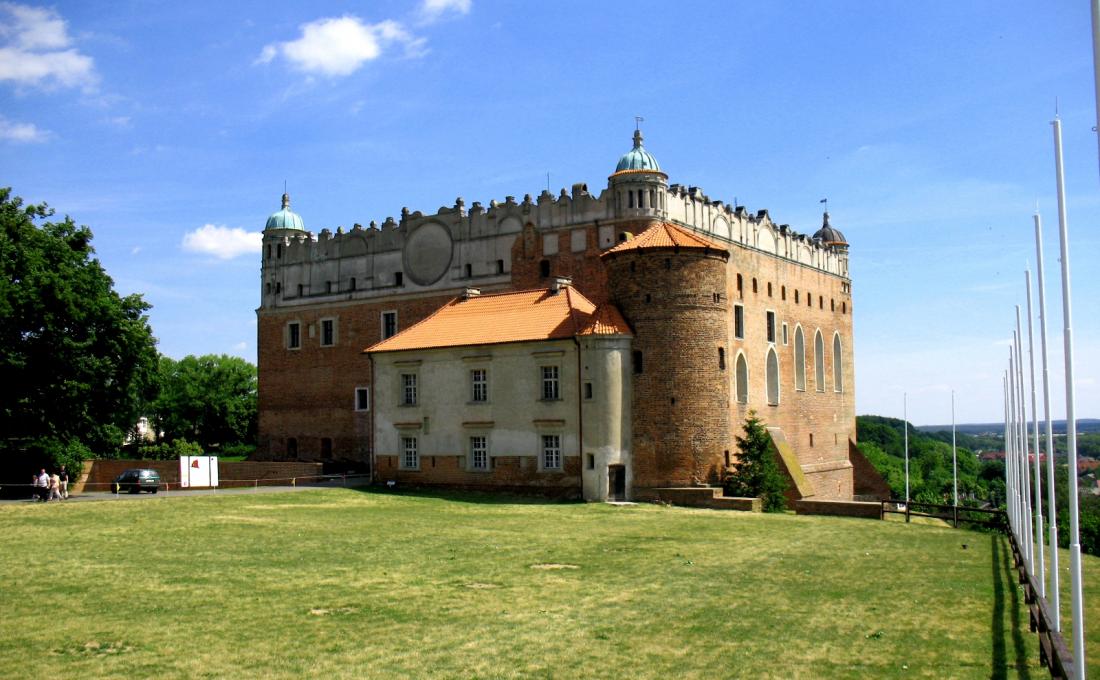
169,129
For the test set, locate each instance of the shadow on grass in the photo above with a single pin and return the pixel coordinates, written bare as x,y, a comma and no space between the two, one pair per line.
1004,580
458,496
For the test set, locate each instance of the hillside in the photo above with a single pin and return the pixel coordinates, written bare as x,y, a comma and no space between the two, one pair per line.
981,482
881,440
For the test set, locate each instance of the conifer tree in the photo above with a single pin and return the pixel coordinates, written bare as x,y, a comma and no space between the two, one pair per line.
756,474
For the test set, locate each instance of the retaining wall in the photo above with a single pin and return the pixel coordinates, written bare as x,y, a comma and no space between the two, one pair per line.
98,475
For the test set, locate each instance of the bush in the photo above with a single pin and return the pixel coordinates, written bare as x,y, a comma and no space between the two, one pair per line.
55,452
242,451
169,450
756,473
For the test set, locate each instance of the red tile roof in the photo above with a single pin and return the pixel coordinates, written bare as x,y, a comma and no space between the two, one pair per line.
520,316
665,235
606,320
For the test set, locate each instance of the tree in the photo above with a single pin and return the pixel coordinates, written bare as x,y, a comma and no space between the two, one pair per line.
756,473
210,400
77,360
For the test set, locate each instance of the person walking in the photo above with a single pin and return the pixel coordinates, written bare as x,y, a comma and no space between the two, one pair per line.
42,485
55,487
64,476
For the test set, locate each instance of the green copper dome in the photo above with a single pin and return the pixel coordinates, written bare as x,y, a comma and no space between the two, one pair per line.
637,158
285,218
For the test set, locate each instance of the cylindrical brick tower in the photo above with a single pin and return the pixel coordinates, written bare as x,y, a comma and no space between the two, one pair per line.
670,284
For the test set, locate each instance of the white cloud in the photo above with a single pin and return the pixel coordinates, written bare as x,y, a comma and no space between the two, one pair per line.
433,10
21,132
37,50
34,28
222,242
340,46
241,346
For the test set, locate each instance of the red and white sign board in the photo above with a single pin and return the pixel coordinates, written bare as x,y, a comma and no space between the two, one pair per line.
198,471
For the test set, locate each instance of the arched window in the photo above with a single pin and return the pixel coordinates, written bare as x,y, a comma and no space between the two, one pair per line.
799,359
838,366
742,379
819,361
773,377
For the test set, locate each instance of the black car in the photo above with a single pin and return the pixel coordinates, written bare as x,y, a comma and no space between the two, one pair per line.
136,480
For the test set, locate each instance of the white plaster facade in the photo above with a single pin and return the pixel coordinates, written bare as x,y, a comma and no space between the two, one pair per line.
594,431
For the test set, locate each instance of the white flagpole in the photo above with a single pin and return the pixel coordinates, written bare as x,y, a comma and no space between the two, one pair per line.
1052,514
905,416
954,456
1010,501
1025,474
1041,557
1077,606
1017,508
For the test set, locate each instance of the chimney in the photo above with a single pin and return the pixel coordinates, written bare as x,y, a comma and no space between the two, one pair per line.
470,293
560,282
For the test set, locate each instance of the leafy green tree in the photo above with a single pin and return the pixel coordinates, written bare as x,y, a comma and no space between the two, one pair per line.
210,400
756,472
77,360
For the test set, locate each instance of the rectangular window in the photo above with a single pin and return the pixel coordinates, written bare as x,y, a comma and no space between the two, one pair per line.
410,458
479,385
479,453
362,398
771,326
389,324
550,390
636,358
293,335
408,389
784,332
739,322
328,332
588,390
551,452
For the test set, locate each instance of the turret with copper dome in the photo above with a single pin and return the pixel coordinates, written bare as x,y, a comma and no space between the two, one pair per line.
638,184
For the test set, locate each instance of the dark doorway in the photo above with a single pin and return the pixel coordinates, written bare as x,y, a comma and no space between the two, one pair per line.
616,482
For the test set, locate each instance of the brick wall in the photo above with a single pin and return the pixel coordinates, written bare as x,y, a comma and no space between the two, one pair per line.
588,273
816,422
839,508
681,395
309,393
508,473
868,482
98,475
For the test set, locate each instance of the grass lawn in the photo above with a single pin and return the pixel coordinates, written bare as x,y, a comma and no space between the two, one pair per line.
368,584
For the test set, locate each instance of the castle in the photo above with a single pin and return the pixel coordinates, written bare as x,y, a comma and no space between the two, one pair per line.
597,346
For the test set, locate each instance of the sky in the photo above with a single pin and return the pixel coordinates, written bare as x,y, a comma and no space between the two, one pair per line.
170,128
